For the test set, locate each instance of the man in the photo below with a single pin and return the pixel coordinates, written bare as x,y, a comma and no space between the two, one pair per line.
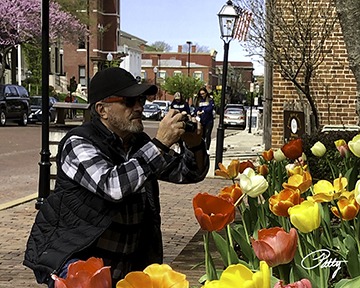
106,199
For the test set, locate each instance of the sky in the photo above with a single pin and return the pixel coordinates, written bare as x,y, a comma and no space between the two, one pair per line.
177,21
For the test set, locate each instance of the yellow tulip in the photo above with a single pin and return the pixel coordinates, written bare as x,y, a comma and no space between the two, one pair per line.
302,182
357,192
240,276
155,275
348,207
318,149
354,145
324,191
305,216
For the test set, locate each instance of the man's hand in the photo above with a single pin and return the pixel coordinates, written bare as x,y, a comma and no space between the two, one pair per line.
171,127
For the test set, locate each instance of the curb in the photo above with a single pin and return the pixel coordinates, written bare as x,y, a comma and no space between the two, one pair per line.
19,201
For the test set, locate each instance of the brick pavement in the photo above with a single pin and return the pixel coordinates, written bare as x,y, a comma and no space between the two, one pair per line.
178,224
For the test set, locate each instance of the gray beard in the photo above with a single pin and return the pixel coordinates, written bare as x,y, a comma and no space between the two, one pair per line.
129,126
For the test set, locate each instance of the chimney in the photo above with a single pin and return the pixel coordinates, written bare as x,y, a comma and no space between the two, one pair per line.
193,48
179,48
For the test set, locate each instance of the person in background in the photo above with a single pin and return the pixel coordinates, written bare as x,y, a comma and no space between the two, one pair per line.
204,106
68,111
106,202
180,104
74,112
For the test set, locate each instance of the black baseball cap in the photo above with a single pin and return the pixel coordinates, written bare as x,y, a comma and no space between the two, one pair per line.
116,81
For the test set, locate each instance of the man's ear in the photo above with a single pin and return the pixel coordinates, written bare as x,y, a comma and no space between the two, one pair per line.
100,108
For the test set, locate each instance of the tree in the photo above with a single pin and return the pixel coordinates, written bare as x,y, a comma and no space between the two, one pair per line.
349,15
298,46
159,46
199,49
20,23
187,86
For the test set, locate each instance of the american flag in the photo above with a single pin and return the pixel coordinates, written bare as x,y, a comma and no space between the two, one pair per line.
243,23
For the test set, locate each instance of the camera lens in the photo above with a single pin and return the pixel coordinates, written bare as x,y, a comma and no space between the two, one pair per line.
190,126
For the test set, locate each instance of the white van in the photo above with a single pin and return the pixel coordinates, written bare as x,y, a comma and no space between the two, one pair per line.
164,106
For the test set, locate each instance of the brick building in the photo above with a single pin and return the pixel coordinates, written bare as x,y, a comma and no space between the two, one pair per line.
333,89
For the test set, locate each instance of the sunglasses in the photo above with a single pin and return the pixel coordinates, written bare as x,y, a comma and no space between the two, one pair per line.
128,101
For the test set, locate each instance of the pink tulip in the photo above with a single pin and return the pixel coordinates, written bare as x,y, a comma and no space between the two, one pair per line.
303,283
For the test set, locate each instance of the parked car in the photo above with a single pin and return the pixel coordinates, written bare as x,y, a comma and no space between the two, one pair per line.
152,112
235,117
164,106
36,109
14,104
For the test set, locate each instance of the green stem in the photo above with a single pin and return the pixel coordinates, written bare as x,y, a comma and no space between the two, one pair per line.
209,263
330,165
230,244
245,228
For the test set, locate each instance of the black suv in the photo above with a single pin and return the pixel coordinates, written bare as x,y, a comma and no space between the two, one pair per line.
14,104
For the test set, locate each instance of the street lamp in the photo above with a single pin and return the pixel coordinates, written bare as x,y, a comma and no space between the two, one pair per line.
189,43
227,19
61,51
251,102
155,74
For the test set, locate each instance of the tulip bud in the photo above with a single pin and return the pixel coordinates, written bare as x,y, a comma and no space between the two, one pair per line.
318,149
279,155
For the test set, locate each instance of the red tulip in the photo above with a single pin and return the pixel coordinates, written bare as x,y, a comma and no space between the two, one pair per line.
246,164
293,149
213,213
275,246
85,274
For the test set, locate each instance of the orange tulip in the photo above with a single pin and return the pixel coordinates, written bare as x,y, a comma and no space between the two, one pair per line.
348,206
275,246
232,192
85,274
293,149
268,155
246,164
213,213
229,173
155,275
263,170
302,182
281,202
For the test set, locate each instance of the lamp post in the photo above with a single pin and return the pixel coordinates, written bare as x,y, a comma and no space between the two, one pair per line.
61,51
251,103
155,74
227,20
188,68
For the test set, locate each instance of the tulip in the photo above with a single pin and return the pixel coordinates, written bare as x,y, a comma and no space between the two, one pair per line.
324,191
302,182
295,168
155,275
229,173
318,149
275,246
342,147
232,192
305,216
354,145
85,274
252,184
347,205
303,283
268,155
357,192
279,155
240,276
281,202
263,170
213,213
246,164
293,149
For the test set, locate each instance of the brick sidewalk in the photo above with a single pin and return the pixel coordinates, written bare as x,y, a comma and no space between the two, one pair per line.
179,228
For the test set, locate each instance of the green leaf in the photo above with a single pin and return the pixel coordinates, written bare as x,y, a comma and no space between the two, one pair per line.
238,234
348,283
352,176
227,252
353,264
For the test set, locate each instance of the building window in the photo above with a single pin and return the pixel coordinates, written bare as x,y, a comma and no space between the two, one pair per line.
81,44
162,74
82,76
143,75
198,75
177,73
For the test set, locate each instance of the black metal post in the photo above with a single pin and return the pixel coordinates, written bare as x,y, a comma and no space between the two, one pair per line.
44,177
88,50
251,104
220,129
188,68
